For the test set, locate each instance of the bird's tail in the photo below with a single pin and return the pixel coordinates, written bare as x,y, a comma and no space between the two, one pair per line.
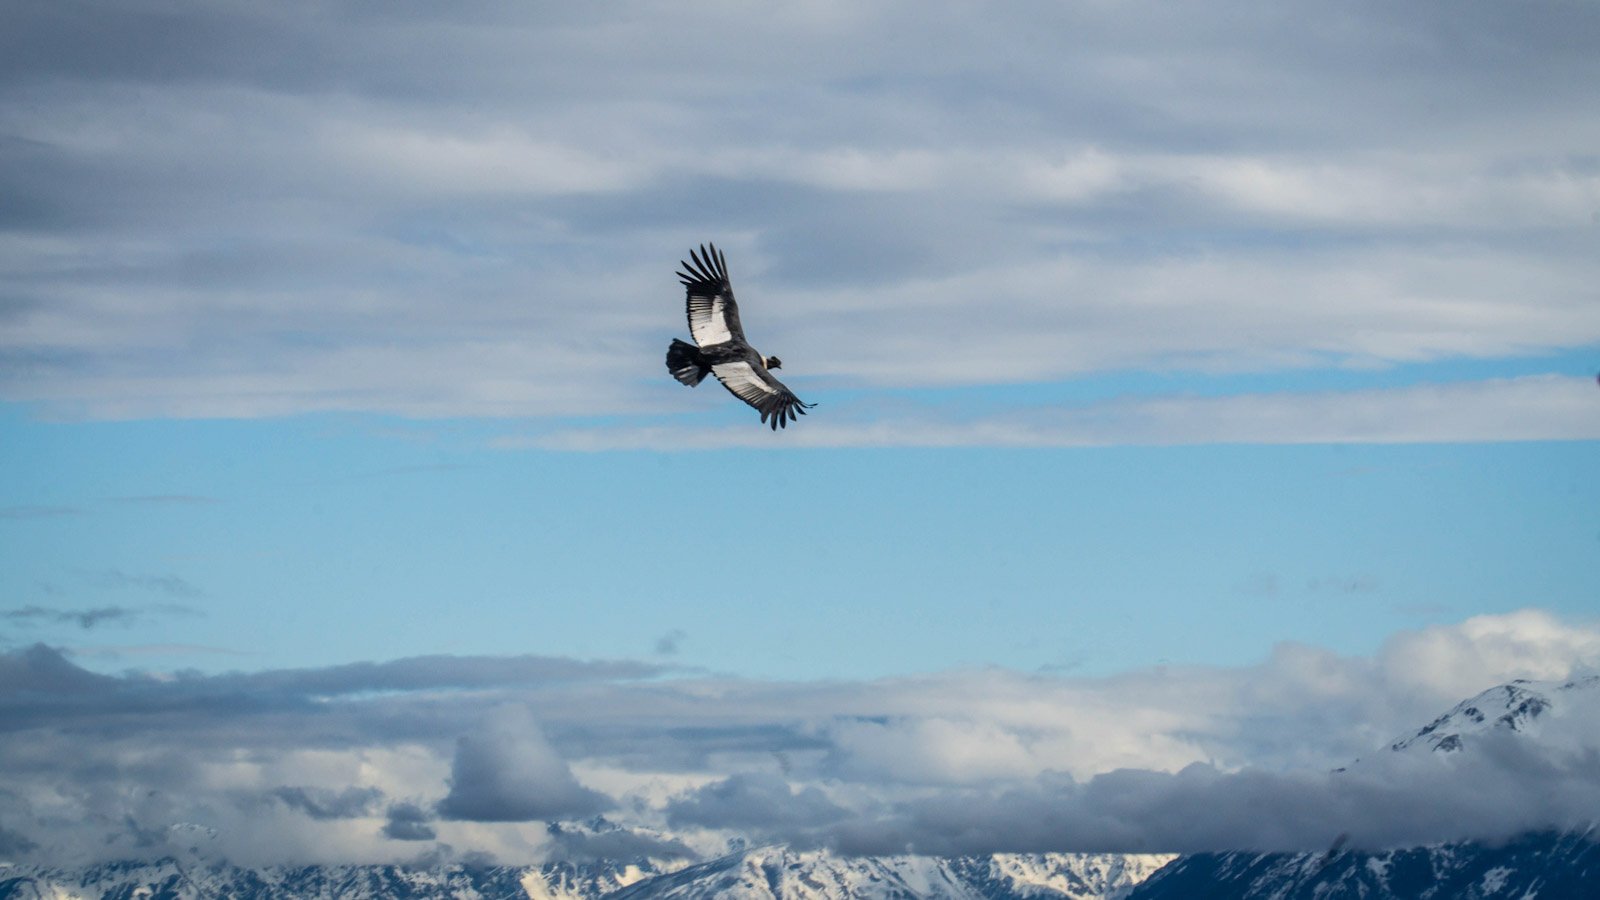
685,363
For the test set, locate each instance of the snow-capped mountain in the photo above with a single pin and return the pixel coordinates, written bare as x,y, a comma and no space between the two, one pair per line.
760,874
1565,712
1547,865
776,873
171,879
1544,866
1520,706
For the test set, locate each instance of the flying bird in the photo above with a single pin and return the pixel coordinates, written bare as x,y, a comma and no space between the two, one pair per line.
723,351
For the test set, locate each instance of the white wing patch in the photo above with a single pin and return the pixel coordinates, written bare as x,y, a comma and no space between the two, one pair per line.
708,321
741,378
750,382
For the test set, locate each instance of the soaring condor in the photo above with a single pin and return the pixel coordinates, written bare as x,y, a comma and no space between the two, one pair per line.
723,351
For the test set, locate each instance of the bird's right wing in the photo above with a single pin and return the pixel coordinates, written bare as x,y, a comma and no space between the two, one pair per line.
751,382
713,316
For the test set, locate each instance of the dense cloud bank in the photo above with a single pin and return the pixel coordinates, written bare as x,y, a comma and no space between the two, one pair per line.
515,757
1396,801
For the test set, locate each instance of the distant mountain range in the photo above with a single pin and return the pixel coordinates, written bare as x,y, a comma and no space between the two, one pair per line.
767,872
1545,866
1537,866
1542,866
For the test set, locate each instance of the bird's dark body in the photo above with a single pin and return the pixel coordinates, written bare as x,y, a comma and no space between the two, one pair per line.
681,356
731,352
722,349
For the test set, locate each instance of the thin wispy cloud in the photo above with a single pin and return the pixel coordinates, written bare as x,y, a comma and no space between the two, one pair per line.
116,579
669,643
83,618
93,617
1533,408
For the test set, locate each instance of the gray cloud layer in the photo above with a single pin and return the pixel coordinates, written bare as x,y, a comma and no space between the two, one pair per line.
237,211
321,803
508,772
367,762
757,800
1505,788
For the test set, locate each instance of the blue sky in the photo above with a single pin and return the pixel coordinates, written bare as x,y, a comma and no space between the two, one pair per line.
1217,380
317,540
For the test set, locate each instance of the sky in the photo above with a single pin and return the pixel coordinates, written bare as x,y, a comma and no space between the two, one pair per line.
1208,386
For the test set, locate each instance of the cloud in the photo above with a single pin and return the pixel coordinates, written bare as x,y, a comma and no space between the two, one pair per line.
437,672
1528,408
44,687
408,822
599,839
321,803
192,194
1524,644
757,801
13,844
486,751
83,618
508,772
929,749
165,584
1405,801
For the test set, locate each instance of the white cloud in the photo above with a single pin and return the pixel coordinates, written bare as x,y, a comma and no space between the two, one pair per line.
1522,409
1452,659
941,750
452,164
325,216
309,765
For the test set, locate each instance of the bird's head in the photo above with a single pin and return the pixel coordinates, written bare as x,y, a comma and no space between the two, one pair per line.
774,363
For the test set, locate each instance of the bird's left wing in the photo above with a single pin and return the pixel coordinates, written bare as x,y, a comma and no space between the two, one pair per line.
750,381
713,316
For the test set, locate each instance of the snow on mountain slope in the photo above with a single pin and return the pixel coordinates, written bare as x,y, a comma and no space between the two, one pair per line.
1556,714
170,879
776,873
1076,874
1521,706
1541,866
771,872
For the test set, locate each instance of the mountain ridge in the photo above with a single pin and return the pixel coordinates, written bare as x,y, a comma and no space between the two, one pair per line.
757,874
1536,866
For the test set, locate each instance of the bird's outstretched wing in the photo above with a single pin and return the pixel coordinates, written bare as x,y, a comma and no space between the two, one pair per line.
750,381
713,316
